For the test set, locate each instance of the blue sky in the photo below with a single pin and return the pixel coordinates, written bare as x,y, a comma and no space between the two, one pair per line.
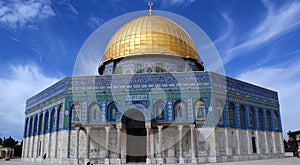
258,41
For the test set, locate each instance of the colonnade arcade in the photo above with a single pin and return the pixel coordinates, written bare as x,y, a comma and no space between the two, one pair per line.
133,140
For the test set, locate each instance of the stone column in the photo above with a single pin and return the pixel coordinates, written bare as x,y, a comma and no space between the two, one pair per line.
194,160
274,143
148,160
248,142
266,142
257,142
226,142
281,144
119,126
237,132
106,145
87,143
160,160
181,160
77,144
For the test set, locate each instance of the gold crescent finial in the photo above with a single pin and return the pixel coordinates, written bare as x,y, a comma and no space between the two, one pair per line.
150,7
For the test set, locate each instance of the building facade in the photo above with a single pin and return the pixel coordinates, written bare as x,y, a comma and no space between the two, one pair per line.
154,103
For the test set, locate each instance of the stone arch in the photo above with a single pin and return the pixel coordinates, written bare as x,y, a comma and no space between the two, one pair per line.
134,122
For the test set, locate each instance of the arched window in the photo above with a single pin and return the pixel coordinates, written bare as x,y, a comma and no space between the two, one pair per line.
251,118
53,120
30,126
46,121
35,125
268,120
260,119
276,121
159,110
26,127
93,112
220,112
111,114
40,123
200,110
242,116
60,117
179,111
76,113
231,115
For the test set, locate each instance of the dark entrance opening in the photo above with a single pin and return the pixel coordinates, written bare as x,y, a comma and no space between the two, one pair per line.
136,136
253,145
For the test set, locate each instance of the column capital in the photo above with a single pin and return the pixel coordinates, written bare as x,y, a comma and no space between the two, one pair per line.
148,129
88,129
147,125
160,127
119,125
107,128
192,126
180,127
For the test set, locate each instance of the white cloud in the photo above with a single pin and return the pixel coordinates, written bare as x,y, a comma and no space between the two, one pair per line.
20,83
284,79
277,22
20,13
94,22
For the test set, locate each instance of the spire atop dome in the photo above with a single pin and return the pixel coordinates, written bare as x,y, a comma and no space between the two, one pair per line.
150,7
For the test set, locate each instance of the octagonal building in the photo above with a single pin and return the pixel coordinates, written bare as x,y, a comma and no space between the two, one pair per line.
152,102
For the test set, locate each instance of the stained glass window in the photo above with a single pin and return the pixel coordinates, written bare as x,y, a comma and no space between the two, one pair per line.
268,122
231,115
53,119
200,110
242,117
275,121
93,112
251,117
179,110
220,112
260,119
159,107
76,113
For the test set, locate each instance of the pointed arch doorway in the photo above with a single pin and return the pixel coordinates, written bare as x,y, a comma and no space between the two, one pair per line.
136,135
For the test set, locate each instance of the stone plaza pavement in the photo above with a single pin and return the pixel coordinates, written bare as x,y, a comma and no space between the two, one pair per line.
287,161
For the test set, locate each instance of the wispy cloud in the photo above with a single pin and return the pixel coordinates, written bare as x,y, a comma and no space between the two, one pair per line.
228,29
20,83
15,14
278,21
284,79
94,22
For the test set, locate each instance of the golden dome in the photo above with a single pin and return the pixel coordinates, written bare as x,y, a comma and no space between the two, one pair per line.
150,35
